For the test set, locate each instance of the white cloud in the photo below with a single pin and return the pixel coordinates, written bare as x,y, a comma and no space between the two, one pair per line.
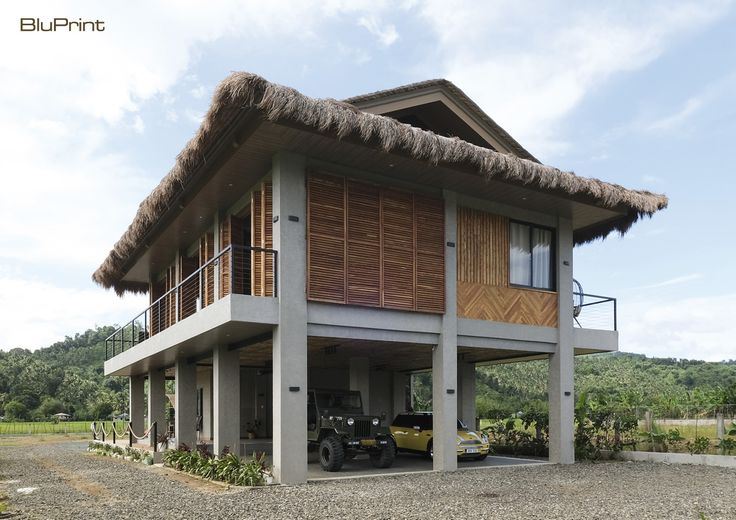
138,125
198,92
694,328
678,118
530,64
672,281
386,34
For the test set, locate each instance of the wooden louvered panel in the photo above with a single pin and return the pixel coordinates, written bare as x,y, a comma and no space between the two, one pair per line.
170,300
430,254
483,247
189,289
326,243
256,219
398,246
506,304
236,240
224,263
267,258
158,289
363,244
206,253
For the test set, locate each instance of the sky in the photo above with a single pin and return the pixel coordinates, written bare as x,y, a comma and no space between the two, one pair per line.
641,94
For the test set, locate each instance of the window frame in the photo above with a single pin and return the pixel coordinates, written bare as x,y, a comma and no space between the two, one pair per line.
553,256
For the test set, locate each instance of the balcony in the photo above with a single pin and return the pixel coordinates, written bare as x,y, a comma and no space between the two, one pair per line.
235,270
591,311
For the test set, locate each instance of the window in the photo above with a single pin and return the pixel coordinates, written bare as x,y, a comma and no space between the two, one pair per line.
531,256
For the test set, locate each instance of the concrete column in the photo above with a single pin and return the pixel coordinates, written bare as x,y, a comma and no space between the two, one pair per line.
186,403
290,335
157,402
137,404
444,355
466,393
720,426
561,387
360,380
226,399
401,380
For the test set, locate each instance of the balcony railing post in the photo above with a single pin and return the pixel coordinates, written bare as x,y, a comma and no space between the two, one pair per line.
275,274
232,269
615,315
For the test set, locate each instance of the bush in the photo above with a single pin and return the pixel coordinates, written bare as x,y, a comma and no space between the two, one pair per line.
228,467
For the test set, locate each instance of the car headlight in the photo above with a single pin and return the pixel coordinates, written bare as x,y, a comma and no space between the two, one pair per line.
351,421
376,421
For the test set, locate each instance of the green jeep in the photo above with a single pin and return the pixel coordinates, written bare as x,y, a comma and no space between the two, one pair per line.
337,426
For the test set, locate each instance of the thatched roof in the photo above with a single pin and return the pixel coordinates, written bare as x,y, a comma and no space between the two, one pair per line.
242,91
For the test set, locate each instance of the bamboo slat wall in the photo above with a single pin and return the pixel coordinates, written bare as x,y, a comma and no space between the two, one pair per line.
483,291
262,268
207,253
374,246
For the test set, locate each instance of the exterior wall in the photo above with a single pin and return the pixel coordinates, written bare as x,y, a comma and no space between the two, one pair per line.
483,291
373,246
381,395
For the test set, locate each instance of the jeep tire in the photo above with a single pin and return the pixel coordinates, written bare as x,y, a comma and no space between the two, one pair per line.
384,457
331,454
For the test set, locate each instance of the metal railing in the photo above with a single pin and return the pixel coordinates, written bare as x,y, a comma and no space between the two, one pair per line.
235,270
595,312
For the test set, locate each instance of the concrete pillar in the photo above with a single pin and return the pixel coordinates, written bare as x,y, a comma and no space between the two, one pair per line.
444,355
157,402
561,385
401,381
466,393
186,403
136,403
360,380
720,426
225,399
290,335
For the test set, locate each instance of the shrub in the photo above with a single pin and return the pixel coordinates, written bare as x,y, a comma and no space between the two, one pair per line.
228,467
698,446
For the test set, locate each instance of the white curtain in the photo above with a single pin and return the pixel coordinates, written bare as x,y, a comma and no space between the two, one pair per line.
542,258
520,257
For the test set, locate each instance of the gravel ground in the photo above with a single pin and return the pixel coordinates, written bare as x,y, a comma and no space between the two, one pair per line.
74,484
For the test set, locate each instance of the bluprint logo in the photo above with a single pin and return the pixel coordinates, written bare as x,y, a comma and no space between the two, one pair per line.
61,25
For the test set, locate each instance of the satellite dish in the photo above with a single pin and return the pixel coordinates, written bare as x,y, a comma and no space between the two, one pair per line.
577,299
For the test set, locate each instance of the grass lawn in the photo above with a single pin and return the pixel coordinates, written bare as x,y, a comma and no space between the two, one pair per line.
36,428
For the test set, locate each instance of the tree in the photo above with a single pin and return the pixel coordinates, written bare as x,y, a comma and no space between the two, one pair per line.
16,411
49,407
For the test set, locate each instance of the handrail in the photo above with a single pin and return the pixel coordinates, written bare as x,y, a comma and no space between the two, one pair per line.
164,302
600,300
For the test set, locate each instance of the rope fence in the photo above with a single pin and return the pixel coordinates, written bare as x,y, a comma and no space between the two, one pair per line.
99,430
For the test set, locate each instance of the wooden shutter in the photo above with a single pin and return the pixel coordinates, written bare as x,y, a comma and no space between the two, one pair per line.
397,218
224,262
262,267
189,289
326,238
268,269
363,244
256,219
430,254
158,289
207,253
483,247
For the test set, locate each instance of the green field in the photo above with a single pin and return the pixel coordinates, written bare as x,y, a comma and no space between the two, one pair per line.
37,428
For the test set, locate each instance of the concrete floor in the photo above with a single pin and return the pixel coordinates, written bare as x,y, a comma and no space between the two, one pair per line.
405,463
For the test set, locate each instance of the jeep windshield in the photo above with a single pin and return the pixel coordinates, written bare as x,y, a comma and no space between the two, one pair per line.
344,402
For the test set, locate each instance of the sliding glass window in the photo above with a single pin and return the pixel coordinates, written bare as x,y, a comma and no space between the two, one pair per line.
532,256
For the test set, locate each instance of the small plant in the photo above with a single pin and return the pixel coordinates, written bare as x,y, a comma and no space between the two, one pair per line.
698,446
727,445
228,467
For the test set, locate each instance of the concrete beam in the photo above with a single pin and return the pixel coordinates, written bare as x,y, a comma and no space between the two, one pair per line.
186,403
561,385
290,335
444,356
226,399
157,403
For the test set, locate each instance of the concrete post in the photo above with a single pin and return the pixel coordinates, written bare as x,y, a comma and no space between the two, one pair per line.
444,355
400,381
561,386
466,393
186,403
290,335
720,426
157,402
226,399
137,406
360,380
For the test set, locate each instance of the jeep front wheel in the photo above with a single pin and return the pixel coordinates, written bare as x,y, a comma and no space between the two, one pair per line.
384,457
331,454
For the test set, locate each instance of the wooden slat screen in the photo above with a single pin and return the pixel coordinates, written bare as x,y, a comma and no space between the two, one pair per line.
326,245
483,247
262,267
374,246
364,244
225,240
189,290
158,314
207,253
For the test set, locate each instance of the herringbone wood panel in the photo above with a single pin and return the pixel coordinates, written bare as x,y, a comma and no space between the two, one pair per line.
506,304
